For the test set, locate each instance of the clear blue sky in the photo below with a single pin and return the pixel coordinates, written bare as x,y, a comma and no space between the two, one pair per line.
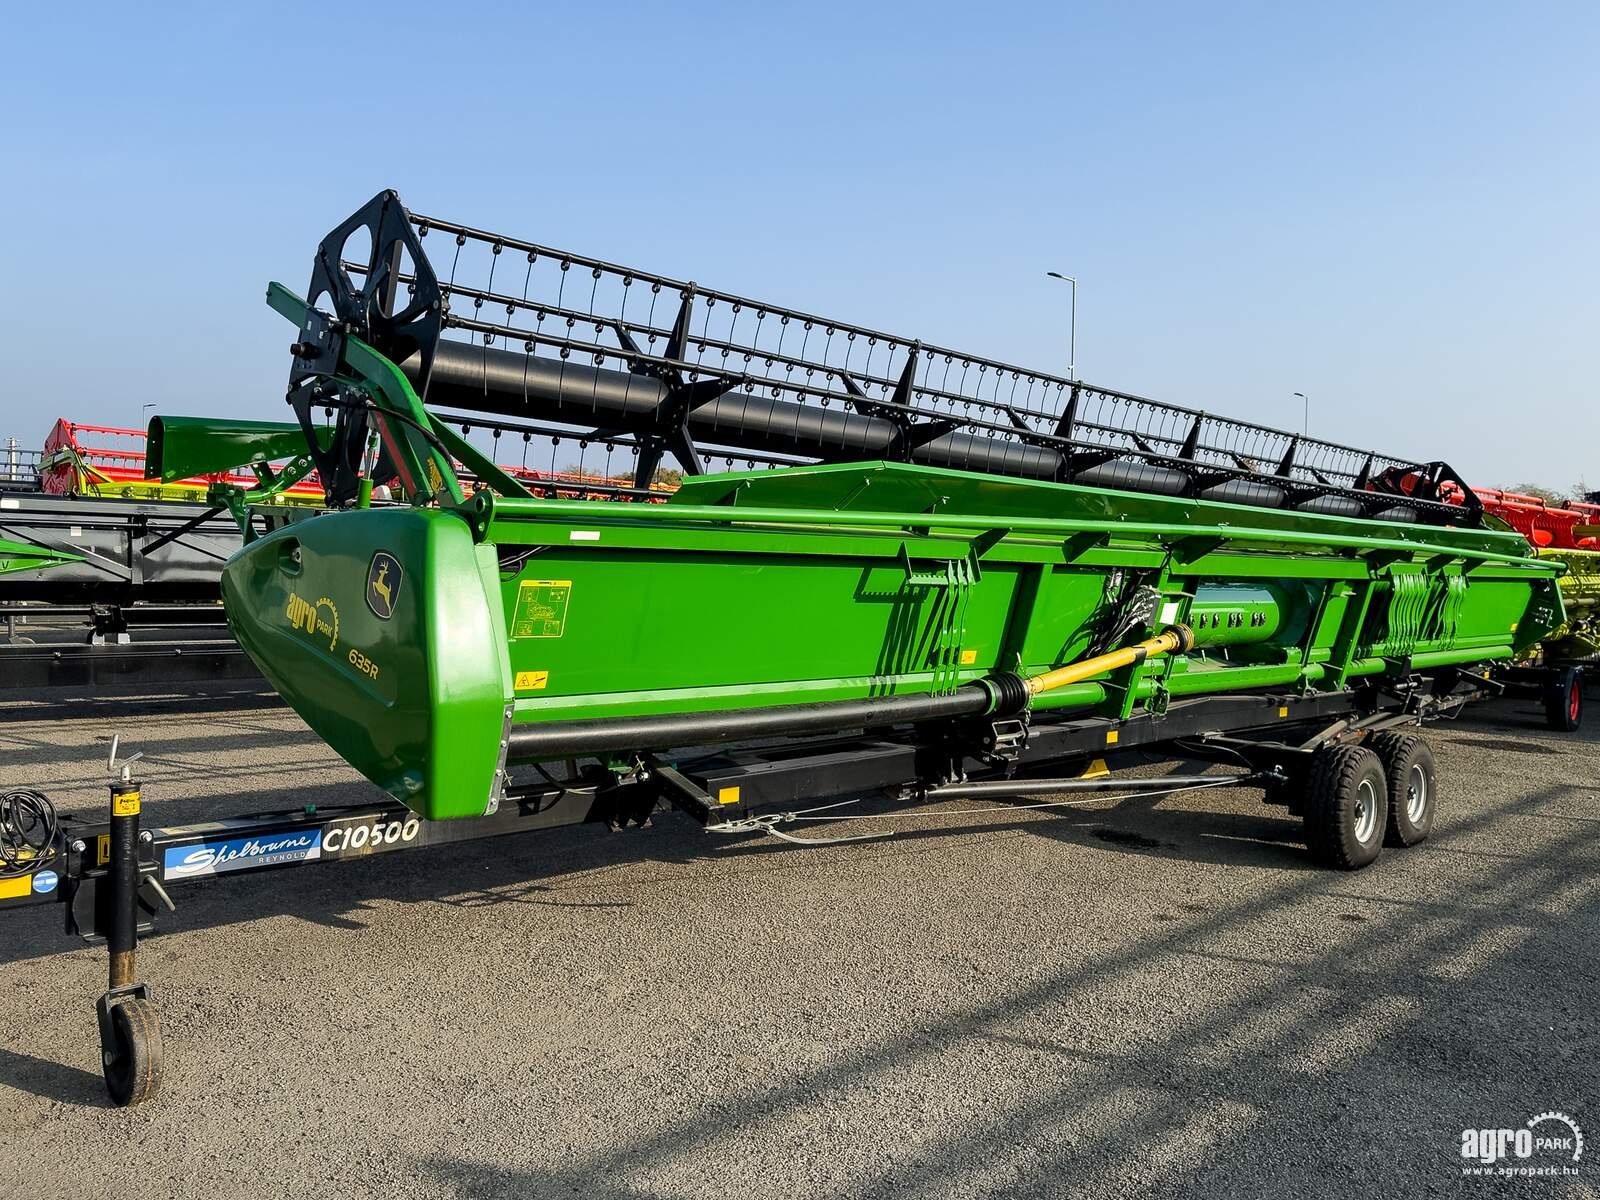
1395,208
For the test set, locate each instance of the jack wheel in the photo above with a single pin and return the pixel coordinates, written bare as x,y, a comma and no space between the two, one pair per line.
1563,700
1347,807
1413,786
130,1052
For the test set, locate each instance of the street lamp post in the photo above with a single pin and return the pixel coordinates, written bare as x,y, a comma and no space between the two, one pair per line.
1072,348
1305,423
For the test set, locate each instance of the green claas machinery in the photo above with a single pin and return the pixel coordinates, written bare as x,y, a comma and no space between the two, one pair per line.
16,557
1557,668
919,575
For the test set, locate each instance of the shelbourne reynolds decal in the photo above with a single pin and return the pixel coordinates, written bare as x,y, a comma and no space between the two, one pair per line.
45,881
343,837
242,854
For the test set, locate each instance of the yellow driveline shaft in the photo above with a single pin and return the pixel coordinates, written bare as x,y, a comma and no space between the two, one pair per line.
1178,638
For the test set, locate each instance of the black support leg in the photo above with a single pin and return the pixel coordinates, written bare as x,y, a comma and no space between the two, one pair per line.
130,1033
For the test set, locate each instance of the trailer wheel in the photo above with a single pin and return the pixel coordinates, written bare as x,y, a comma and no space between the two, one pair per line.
1413,786
1347,807
1563,700
132,1059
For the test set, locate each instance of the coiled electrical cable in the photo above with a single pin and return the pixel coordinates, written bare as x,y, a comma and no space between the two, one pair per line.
28,828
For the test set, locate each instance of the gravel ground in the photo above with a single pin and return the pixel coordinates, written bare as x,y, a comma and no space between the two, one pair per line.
1140,998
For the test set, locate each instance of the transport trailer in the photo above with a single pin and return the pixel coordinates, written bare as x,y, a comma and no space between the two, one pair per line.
939,578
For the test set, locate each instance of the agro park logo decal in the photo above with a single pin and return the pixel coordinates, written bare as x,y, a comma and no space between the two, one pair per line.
319,619
383,584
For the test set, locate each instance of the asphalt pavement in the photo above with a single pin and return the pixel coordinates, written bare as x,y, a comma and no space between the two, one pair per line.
1141,997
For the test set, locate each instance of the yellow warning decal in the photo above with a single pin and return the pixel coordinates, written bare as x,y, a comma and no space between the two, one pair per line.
1283,711
968,657
532,681
1111,737
541,609
20,885
102,849
125,805
728,795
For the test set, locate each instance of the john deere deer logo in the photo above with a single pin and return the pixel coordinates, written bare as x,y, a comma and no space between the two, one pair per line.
383,584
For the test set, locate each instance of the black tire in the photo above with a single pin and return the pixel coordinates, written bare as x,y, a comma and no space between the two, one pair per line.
1347,807
132,1062
1413,786
1563,700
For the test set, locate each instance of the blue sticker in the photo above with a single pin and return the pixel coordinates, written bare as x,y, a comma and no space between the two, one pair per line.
242,854
45,881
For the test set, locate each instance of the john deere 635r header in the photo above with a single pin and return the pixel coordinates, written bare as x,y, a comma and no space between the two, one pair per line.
931,576
980,548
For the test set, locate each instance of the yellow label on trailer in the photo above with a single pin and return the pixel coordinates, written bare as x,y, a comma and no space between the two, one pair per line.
1111,737
102,849
125,805
728,795
532,681
541,609
18,886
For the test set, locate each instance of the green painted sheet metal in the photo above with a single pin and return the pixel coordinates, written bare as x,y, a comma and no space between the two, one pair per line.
185,447
382,628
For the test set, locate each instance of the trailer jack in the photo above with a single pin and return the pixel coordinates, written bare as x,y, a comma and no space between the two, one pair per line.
130,1031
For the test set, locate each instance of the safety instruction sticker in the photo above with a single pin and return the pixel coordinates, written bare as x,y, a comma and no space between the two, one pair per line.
541,610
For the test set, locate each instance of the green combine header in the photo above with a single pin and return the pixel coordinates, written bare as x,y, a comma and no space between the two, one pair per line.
466,627
921,575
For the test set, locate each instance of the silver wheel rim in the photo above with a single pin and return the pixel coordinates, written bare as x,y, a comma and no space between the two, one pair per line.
1416,794
1366,810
